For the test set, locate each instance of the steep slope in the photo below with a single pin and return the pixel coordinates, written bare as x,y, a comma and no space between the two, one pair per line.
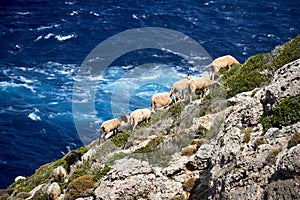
246,146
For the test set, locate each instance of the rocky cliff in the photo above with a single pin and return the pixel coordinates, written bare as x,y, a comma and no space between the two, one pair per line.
238,143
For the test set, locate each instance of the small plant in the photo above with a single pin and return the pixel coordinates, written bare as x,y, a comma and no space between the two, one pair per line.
82,150
81,171
189,184
271,158
151,146
247,135
117,156
201,141
295,139
99,174
259,141
176,109
188,151
201,131
287,112
120,139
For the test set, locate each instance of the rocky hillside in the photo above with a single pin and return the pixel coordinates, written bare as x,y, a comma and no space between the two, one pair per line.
241,142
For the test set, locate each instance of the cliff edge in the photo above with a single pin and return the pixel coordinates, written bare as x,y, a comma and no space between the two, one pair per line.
241,142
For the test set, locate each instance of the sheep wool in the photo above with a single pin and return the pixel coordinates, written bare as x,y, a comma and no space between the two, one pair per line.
180,86
139,115
161,99
222,62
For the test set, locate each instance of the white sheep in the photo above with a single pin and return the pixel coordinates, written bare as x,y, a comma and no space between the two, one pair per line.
111,125
180,86
199,86
139,115
161,99
222,62
59,174
53,191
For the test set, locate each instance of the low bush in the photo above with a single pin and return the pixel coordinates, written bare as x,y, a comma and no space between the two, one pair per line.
287,112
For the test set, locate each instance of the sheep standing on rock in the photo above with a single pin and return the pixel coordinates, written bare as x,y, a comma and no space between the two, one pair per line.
59,174
161,99
222,62
180,86
139,115
111,125
53,191
199,86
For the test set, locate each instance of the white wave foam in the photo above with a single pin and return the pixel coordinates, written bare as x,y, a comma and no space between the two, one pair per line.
134,16
95,14
23,13
44,27
48,36
74,13
69,3
25,80
66,37
33,116
38,38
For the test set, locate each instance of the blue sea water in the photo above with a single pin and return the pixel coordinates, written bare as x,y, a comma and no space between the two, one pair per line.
43,44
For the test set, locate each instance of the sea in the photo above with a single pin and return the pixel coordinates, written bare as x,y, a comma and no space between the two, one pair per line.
45,109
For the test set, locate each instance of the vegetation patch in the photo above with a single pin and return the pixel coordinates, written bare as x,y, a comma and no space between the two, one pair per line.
151,146
81,171
247,135
82,150
190,150
99,174
117,156
295,139
80,186
120,139
259,141
287,112
259,69
40,176
189,184
201,131
271,158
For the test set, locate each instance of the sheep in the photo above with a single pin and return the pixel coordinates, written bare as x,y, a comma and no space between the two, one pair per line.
111,125
139,115
72,158
59,174
222,62
53,191
199,86
161,99
180,86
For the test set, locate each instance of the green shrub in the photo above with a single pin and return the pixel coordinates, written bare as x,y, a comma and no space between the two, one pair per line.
81,171
99,174
259,69
287,112
82,150
246,77
120,139
151,146
201,131
289,53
